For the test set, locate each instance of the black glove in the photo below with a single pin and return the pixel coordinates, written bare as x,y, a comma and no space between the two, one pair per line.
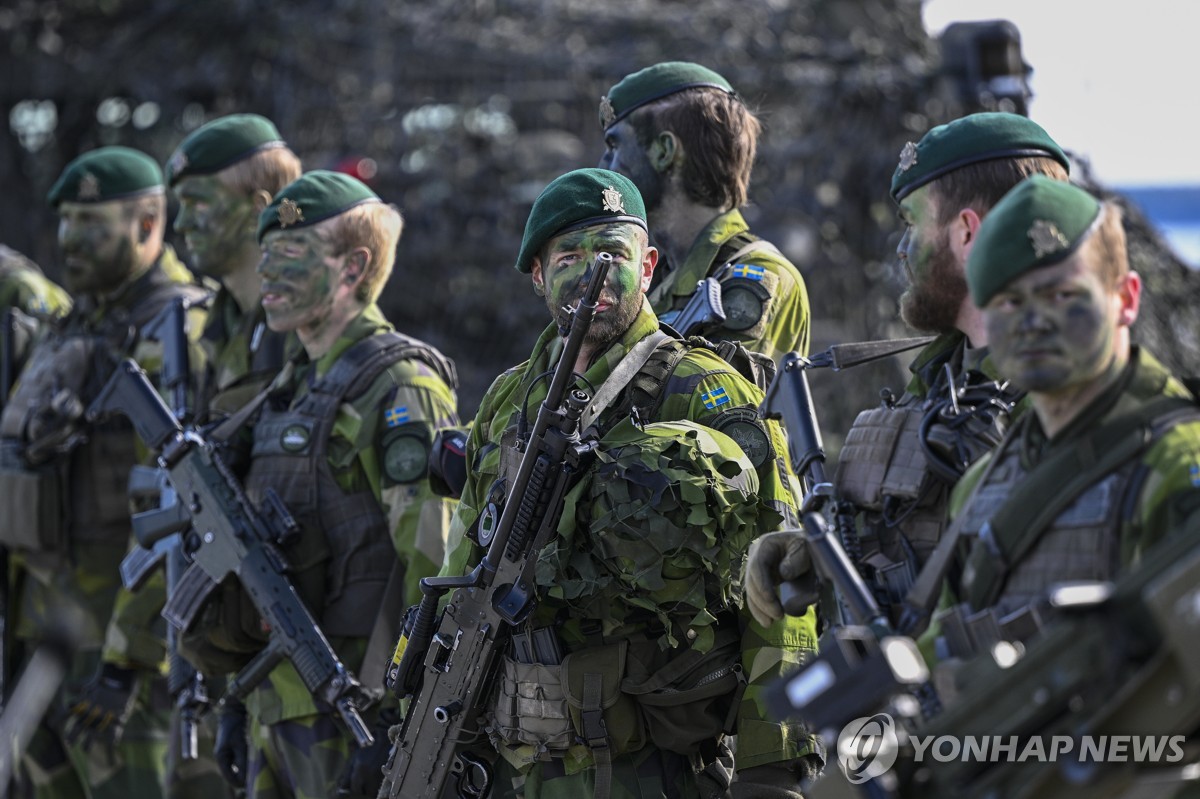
363,774
104,708
232,747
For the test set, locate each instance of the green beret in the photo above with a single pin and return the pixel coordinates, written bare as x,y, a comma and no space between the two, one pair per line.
314,197
1039,223
576,200
969,140
222,143
653,83
107,173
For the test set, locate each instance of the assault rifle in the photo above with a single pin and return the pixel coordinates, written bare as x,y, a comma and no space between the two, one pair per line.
703,308
233,538
448,664
160,532
822,693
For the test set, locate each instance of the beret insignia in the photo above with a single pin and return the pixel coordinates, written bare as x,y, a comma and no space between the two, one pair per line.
289,212
607,114
908,156
178,162
1046,238
89,187
613,201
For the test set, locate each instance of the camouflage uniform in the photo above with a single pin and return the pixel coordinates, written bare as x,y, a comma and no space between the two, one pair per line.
84,575
765,299
896,472
23,286
1109,525
589,607
242,354
376,454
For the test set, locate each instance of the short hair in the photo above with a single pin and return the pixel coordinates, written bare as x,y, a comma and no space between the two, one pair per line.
981,185
376,226
719,136
267,170
1106,245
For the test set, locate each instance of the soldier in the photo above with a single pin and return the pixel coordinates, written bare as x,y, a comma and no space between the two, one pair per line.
70,533
224,174
900,460
680,132
343,438
670,406
1108,460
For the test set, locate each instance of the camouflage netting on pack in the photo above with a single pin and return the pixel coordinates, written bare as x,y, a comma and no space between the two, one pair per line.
659,530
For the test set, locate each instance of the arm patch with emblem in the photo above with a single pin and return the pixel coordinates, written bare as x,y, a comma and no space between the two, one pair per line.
747,430
405,454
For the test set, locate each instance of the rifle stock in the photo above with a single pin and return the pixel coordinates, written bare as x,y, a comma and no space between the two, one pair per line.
448,664
235,539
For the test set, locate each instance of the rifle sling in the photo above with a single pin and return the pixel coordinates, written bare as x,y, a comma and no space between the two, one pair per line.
620,377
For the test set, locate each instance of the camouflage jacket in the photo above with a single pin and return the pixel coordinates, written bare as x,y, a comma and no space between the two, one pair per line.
242,354
575,595
764,294
23,286
406,402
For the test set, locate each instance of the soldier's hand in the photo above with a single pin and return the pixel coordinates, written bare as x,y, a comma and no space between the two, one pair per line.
104,708
773,559
231,747
363,774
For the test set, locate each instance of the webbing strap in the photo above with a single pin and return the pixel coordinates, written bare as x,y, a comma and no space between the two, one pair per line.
616,381
596,733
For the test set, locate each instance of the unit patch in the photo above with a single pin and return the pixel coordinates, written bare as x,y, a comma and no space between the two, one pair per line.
745,427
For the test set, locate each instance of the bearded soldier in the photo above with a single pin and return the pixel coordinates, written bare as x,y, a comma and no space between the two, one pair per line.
639,589
70,527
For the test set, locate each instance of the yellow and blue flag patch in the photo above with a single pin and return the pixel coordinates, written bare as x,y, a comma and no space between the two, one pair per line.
716,398
749,271
396,416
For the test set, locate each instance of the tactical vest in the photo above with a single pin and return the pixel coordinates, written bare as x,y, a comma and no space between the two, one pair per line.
899,463
344,555
81,483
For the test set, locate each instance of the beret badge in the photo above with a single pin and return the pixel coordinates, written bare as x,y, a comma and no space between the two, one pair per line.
89,187
1046,238
289,212
613,201
908,156
607,114
178,162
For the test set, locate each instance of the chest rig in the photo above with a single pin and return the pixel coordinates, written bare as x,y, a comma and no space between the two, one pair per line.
344,554
71,476
899,463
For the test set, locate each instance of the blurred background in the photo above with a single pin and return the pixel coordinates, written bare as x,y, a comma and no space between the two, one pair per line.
460,111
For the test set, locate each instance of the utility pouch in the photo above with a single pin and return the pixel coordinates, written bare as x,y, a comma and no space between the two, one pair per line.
882,457
603,714
692,699
531,707
31,515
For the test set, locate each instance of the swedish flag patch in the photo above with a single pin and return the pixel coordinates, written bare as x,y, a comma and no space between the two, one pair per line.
396,416
749,271
716,398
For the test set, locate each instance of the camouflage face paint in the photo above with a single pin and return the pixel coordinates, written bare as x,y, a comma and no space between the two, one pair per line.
937,285
97,241
624,154
567,266
215,222
298,269
1053,329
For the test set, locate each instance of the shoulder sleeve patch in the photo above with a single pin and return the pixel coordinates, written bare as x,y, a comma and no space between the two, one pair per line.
748,431
746,292
405,454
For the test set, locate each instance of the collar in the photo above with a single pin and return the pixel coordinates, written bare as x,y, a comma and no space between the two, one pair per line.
704,249
367,323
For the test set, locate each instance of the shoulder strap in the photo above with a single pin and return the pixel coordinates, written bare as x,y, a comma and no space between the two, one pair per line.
646,387
727,257
1043,494
358,367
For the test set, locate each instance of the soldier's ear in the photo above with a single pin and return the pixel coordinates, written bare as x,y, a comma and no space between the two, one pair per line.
356,266
535,272
664,151
145,228
261,199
